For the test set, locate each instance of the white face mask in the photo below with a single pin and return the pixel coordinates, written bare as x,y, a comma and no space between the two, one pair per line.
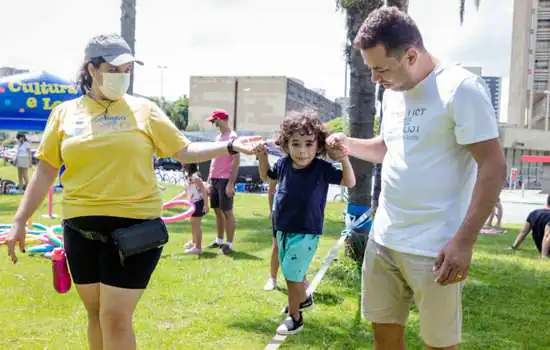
114,85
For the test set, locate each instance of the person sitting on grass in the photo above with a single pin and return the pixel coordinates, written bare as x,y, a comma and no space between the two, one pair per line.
300,201
538,222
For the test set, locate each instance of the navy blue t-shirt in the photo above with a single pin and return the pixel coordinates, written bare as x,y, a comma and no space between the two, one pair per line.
302,195
538,219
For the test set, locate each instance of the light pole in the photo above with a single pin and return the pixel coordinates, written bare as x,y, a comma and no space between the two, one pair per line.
162,68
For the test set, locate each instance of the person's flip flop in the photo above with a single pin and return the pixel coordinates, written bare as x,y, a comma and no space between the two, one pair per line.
492,231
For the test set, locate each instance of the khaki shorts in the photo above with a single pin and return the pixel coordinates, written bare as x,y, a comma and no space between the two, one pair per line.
391,280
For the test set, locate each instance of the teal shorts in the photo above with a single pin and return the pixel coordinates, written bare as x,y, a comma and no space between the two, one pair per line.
296,250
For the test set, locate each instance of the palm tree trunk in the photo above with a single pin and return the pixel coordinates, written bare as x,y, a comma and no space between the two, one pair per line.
462,8
361,115
377,186
361,119
128,30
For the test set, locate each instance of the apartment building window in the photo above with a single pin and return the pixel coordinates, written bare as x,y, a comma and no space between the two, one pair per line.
294,106
541,64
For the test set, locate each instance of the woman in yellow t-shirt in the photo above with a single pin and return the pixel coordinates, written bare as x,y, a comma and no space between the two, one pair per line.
107,139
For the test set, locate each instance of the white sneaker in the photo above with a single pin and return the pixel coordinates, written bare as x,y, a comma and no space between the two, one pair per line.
193,250
291,326
188,245
271,284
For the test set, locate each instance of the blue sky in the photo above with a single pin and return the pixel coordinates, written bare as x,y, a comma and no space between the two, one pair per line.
303,39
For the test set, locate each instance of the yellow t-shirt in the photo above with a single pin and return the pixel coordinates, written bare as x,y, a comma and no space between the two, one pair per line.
108,148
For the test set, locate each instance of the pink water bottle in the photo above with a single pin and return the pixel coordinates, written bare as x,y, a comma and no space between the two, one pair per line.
61,276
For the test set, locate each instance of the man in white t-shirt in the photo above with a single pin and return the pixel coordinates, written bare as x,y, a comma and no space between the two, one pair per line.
442,172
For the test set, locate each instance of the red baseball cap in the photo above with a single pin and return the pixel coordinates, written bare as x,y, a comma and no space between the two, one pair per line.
218,114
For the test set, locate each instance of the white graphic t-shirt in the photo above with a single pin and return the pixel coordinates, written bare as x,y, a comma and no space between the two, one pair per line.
23,149
428,173
195,194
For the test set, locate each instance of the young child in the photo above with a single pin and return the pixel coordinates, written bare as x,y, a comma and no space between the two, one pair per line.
196,192
300,200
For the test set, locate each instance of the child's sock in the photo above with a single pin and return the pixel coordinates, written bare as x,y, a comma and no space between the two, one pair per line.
219,240
230,245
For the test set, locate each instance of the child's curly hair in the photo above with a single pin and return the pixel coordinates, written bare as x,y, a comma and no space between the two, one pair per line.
304,122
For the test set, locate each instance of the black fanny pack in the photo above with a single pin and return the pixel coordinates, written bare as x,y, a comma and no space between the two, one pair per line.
140,238
131,240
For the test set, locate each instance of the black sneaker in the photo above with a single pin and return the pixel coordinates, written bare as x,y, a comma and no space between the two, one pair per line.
226,249
304,306
215,245
291,326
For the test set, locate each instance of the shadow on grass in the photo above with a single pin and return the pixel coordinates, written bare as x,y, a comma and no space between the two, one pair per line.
329,299
316,335
323,298
208,255
240,255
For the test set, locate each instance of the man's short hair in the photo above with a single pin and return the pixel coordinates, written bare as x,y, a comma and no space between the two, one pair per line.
390,27
548,200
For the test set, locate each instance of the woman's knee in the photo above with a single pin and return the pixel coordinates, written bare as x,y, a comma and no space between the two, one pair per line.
117,307
115,320
89,294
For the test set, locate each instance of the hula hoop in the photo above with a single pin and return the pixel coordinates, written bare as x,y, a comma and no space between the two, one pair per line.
42,248
38,235
179,217
36,229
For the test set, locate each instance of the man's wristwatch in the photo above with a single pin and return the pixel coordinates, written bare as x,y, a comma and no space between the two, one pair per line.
230,148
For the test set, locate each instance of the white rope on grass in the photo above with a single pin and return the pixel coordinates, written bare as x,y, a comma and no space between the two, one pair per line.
351,225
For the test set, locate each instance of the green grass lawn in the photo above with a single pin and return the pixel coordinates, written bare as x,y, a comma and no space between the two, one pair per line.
217,302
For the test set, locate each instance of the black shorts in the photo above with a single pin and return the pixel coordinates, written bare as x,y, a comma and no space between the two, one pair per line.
199,209
92,261
218,198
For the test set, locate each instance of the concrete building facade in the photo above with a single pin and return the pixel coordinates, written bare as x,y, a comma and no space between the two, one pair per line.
529,103
7,71
527,130
254,103
344,103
